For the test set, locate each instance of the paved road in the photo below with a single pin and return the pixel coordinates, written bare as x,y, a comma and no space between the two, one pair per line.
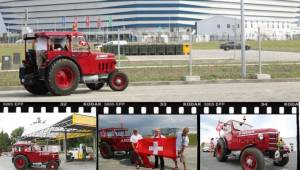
221,54
209,163
6,164
122,163
228,92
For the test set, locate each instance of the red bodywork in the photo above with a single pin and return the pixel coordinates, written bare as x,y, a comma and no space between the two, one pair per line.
34,156
116,138
91,63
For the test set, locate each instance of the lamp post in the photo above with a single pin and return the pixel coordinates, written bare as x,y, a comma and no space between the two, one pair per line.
243,42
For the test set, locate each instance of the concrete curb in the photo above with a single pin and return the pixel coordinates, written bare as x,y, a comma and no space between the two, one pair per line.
159,83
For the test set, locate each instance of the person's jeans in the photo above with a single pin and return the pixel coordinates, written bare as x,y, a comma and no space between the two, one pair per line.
162,161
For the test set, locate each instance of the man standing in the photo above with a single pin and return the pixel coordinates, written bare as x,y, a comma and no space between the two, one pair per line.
135,137
157,135
182,141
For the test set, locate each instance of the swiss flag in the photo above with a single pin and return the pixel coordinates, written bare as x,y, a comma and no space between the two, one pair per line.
165,147
219,127
87,21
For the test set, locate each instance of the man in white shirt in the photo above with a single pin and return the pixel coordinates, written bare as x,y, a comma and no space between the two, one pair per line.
135,137
157,135
182,141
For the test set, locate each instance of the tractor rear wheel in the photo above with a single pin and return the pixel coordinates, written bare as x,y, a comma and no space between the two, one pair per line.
283,162
63,77
37,88
118,81
52,166
106,150
252,159
95,86
221,151
21,162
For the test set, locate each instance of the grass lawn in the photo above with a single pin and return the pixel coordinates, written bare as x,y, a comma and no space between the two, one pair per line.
212,72
285,46
10,50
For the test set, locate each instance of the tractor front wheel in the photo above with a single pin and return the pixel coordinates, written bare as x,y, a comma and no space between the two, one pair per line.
52,166
106,150
283,161
21,162
95,86
252,159
118,81
221,151
63,77
37,88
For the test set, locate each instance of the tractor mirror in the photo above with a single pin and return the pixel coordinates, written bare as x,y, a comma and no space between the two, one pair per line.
83,43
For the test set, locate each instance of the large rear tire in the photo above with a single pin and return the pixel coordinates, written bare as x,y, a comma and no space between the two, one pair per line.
63,77
21,162
106,150
283,162
221,151
95,86
118,81
37,88
252,159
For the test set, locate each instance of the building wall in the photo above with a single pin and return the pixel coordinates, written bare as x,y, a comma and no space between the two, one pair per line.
140,14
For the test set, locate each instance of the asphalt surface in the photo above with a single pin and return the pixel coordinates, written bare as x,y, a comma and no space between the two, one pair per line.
220,92
122,163
210,163
6,164
251,55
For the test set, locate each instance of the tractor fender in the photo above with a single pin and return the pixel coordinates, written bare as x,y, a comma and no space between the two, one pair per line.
225,141
247,146
64,57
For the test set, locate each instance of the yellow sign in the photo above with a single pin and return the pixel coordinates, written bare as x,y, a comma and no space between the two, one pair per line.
83,120
186,48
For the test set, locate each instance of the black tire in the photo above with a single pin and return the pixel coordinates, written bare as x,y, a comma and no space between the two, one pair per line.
106,150
24,165
60,70
258,157
37,88
52,165
118,81
283,162
95,86
221,151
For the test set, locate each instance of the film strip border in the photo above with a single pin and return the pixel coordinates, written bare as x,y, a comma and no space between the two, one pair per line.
153,107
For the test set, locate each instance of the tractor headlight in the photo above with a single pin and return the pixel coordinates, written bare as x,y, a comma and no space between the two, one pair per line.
260,136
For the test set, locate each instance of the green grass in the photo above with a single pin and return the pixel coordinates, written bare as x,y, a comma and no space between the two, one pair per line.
212,72
284,46
10,49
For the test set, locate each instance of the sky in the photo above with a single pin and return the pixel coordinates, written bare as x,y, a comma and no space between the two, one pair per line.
146,123
11,121
286,124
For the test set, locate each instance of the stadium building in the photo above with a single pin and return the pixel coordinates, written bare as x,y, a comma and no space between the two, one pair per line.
140,16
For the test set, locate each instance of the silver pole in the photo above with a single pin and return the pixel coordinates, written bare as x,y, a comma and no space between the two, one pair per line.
190,58
119,51
26,18
234,29
243,41
259,51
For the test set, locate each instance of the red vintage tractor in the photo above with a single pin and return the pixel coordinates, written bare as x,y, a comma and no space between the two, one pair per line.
251,144
26,155
57,62
114,140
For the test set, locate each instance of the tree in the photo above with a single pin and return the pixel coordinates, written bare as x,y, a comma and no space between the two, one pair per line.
5,142
15,134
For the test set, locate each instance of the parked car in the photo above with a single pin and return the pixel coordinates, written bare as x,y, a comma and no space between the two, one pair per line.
233,45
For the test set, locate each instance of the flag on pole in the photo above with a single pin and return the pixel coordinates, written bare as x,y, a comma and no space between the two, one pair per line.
87,21
219,127
99,22
76,20
75,24
165,147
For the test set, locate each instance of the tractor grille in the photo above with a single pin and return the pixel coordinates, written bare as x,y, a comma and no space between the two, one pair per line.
273,139
106,67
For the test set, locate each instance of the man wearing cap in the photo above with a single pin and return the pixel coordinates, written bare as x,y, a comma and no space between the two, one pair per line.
182,141
157,135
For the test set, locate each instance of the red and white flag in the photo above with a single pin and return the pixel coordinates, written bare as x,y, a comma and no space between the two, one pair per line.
219,127
87,21
165,147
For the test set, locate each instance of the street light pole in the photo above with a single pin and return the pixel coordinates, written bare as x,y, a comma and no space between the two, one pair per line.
243,41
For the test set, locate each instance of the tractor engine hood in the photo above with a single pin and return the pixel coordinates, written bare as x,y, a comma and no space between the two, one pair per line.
257,131
100,55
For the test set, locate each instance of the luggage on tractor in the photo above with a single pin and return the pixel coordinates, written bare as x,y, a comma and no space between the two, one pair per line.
25,155
57,62
113,140
253,145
